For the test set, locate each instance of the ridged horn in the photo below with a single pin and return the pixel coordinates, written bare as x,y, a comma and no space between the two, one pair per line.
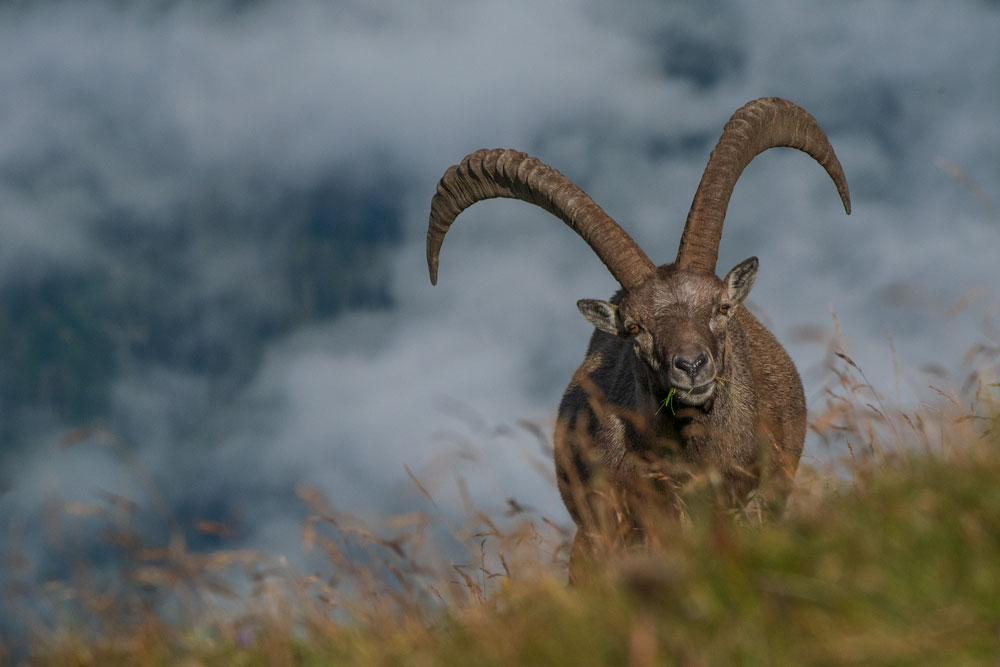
487,173
758,125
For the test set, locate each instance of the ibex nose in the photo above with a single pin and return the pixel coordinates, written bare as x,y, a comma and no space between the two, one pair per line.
691,365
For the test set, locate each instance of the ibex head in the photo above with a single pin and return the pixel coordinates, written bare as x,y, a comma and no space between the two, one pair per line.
677,326
676,316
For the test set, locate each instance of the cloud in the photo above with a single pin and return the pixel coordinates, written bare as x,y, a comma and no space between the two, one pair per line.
194,129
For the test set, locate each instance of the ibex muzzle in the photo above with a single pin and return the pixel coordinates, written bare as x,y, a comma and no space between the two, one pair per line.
674,336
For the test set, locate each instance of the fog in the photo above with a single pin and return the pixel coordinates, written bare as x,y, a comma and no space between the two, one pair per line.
163,162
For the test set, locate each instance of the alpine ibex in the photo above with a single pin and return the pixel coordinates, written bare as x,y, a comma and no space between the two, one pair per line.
679,380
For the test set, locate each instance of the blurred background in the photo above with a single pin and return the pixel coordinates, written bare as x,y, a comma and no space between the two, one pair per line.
212,218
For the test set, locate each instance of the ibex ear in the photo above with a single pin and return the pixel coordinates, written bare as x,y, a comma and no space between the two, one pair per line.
601,314
740,279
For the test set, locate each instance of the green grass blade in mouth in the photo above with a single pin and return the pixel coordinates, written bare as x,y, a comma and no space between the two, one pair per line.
668,401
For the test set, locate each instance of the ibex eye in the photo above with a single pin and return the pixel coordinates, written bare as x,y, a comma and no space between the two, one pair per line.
724,308
633,328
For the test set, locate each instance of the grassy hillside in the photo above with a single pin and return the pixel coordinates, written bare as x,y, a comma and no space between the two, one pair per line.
891,556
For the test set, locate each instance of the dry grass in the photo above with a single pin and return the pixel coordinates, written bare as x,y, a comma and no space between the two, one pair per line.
889,554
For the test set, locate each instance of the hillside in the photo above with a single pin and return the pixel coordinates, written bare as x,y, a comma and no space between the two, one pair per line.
887,557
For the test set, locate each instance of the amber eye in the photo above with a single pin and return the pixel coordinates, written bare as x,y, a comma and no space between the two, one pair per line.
633,328
724,308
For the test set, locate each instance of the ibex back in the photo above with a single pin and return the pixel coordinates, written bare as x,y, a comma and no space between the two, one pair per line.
680,381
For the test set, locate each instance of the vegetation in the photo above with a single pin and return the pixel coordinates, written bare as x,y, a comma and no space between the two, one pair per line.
890,556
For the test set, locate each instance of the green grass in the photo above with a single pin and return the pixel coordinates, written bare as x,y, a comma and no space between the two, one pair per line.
668,402
891,557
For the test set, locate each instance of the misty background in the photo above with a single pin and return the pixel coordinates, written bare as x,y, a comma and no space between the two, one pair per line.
212,221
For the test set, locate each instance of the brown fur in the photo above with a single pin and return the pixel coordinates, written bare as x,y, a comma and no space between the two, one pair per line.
620,453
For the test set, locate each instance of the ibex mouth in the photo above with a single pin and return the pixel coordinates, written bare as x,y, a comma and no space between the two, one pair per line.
695,395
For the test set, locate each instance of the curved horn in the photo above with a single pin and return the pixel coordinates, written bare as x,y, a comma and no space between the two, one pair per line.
765,123
506,173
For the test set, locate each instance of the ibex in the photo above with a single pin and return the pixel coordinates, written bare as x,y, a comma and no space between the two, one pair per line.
680,381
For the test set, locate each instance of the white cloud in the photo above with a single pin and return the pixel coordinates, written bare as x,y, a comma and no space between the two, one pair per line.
148,109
